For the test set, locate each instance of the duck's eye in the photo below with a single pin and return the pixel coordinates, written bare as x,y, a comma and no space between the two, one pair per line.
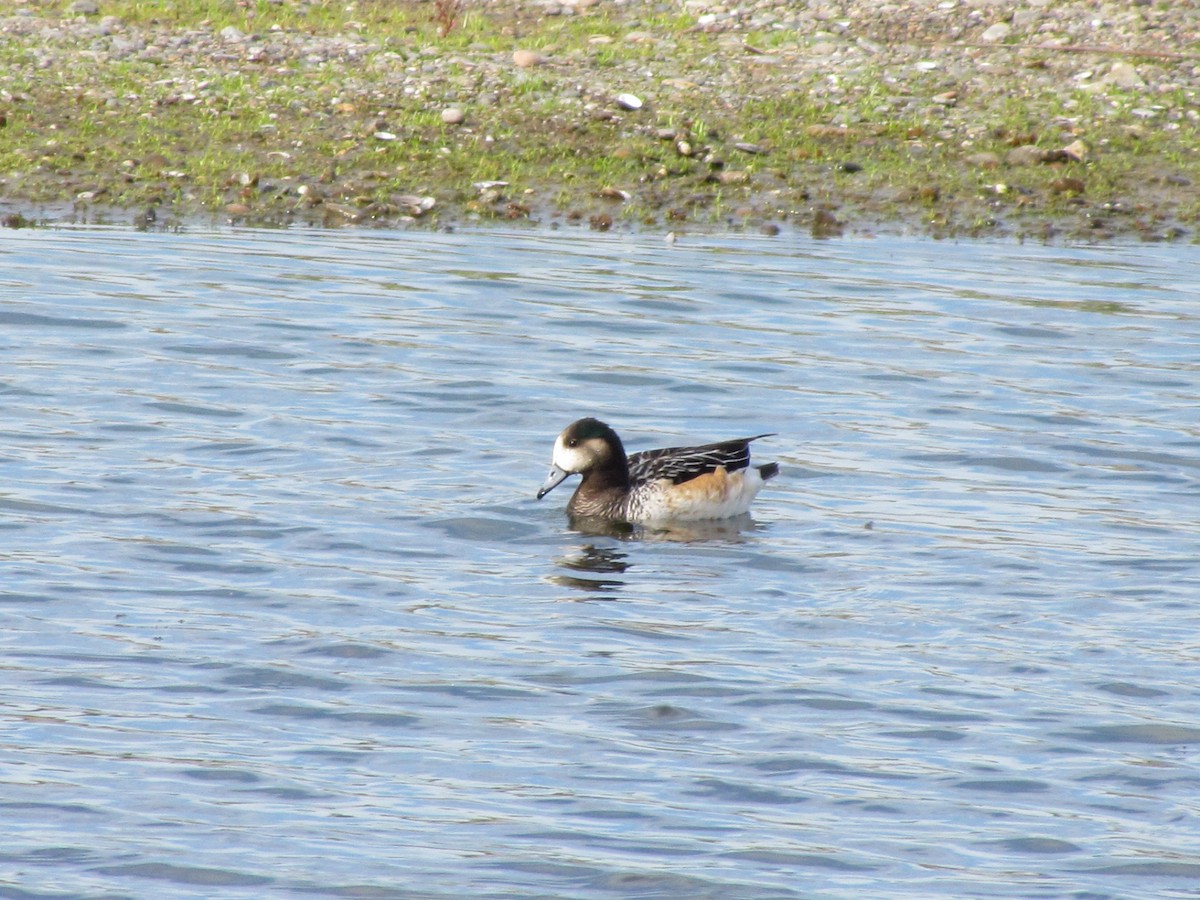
572,442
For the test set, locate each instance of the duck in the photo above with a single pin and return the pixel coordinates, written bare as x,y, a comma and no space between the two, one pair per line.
674,484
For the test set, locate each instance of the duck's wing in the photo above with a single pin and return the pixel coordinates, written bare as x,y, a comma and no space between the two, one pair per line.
679,464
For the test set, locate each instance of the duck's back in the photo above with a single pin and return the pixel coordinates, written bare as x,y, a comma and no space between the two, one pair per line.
680,464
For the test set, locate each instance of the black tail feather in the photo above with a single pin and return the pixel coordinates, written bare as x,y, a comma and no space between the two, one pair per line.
768,471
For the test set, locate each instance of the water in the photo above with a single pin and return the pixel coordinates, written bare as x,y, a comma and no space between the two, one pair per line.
280,616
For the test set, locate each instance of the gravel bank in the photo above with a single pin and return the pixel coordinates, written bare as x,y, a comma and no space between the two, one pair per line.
950,117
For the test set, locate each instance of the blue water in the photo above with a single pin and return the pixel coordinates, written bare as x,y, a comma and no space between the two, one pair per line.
280,616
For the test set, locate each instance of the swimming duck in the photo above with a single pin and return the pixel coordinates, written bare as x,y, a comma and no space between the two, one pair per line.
712,481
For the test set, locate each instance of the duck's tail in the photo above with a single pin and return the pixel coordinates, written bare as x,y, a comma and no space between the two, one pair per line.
768,471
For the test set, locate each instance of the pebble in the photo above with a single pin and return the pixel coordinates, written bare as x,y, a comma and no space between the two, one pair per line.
1068,185
995,33
732,176
342,212
526,59
452,115
1124,75
415,206
984,160
1077,150
125,46
825,224
1026,155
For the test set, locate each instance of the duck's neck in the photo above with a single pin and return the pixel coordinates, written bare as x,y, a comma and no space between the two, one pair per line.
613,475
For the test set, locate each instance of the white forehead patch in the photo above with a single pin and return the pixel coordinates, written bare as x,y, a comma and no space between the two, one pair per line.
570,459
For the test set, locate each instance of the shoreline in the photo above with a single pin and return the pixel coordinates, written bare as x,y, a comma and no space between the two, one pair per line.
949,119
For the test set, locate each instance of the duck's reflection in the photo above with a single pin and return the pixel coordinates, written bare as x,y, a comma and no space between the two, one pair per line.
602,561
595,570
730,529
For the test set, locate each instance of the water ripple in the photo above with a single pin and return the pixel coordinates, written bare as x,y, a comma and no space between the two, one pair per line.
275,579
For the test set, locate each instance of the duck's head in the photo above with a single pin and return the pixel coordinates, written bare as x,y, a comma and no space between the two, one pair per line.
584,446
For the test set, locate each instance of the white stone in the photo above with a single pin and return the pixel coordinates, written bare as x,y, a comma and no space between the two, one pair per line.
995,33
1123,74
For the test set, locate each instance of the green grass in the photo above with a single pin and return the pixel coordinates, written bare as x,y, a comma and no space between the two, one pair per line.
144,131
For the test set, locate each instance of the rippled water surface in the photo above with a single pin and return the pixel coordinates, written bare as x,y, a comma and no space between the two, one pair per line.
280,614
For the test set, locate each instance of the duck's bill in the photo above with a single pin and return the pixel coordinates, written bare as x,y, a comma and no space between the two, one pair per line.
553,480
